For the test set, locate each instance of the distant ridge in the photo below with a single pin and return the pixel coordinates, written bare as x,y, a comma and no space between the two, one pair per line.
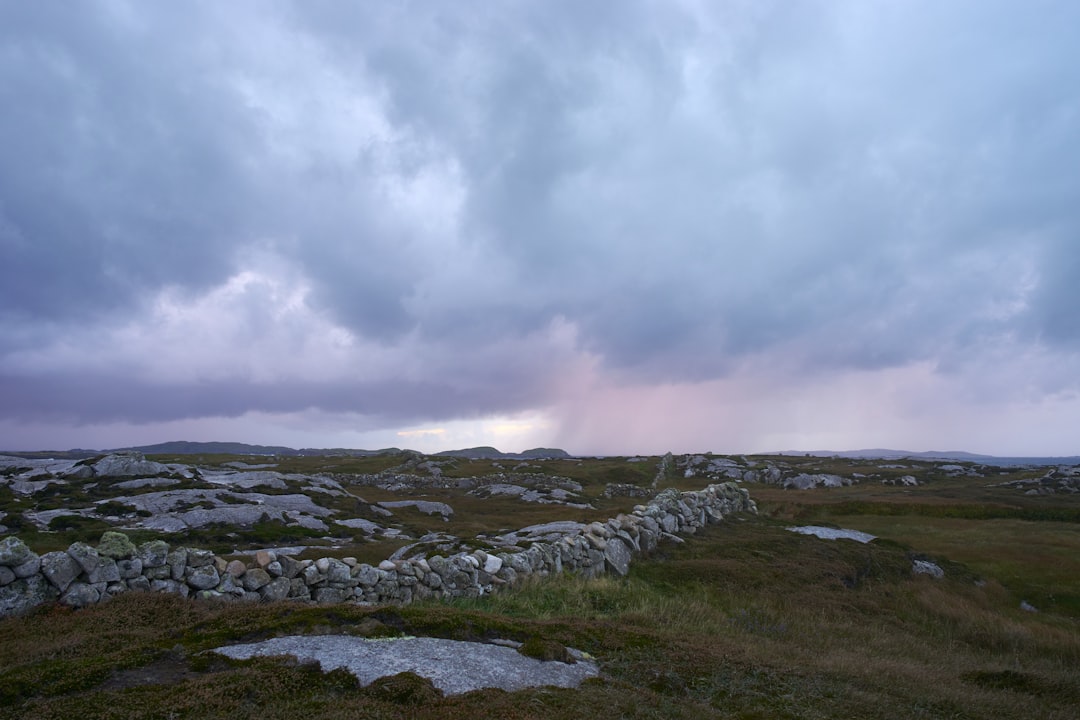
184,447
489,453
956,455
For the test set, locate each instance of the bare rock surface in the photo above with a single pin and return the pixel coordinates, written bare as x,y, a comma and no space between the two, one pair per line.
826,533
453,666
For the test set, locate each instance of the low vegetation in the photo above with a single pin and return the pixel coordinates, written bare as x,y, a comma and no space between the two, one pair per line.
745,620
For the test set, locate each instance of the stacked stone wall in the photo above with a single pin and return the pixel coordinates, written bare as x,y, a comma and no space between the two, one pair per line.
83,575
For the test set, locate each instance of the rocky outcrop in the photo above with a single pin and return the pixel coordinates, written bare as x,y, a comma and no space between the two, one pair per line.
84,575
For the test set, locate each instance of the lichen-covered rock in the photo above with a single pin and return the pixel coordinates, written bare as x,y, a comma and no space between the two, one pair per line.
177,561
127,464
86,556
20,596
81,595
13,551
28,568
617,556
199,558
153,554
276,589
115,545
129,569
60,569
255,578
203,577
140,583
328,595
106,572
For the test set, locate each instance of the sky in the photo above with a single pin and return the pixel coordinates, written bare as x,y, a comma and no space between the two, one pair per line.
612,227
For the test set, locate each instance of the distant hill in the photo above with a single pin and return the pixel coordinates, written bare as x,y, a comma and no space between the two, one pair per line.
183,447
489,453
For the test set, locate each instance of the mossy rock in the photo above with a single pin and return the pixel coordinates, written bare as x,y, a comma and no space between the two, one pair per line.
405,688
115,545
545,650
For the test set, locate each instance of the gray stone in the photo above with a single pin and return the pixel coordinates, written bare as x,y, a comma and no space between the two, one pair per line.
115,545
139,583
105,572
199,558
7,576
327,595
924,567
153,553
617,556
13,551
276,589
365,575
230,585
169,586
338,573
86,556
298,589
290,567
453,666
203,577
255,578
127,464
60,568
177,560
425,506
312,576
236,568
28,568
129,568
22,595
275,569
163,572
81,595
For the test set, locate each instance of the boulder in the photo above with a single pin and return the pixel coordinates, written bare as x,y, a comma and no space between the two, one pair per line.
153,553
115,545
617,556
276,589
24,594
139,583
86,556
255,578
60,569
14,551
7,576
28,568
80,595
199,558
129,569
127,464
203,577
106,572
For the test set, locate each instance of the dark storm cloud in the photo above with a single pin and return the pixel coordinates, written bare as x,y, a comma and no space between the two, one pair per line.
852,185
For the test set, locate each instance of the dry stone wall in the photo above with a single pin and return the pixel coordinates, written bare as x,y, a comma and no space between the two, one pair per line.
83,575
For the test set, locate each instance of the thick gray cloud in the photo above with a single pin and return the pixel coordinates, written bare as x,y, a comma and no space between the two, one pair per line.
484,201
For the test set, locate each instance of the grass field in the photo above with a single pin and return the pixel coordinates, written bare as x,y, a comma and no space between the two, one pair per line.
746,620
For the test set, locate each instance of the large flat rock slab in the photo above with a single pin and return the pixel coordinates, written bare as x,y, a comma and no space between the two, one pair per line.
453,666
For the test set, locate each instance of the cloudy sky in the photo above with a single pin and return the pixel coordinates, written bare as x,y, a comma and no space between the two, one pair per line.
612,227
